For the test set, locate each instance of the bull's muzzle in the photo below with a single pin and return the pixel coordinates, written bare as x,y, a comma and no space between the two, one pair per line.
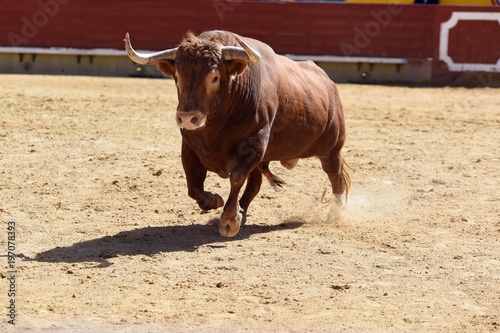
190,120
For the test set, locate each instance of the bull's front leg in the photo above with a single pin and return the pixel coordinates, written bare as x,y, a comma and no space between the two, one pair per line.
251,152
195,176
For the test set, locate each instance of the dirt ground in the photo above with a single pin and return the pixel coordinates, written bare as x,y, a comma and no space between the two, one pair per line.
108,240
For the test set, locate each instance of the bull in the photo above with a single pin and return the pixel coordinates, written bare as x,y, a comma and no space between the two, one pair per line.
241,106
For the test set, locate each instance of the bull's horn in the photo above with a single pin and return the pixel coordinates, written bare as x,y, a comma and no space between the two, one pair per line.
147,59
245,53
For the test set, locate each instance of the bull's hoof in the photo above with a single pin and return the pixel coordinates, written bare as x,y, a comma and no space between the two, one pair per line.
219,202
211,201
334,215
243,218
229,227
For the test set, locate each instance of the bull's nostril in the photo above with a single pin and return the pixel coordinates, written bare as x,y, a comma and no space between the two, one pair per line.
228,228
189,120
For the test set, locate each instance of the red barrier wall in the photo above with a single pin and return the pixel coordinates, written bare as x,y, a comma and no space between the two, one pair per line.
469,41
401,31
299,28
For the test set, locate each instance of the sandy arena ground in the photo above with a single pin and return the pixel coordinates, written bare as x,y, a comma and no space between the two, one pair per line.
108,240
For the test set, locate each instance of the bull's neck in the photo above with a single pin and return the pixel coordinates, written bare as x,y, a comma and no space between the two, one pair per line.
232,113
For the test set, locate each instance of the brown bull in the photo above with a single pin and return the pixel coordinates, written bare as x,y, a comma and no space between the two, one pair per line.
242,106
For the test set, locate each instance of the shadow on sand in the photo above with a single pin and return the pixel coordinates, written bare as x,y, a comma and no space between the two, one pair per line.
150,241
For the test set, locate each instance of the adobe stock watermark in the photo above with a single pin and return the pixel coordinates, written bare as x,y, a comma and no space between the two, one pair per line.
364,35
30,26
223,6
12,272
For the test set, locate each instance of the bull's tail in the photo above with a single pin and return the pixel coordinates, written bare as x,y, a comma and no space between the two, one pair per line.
346,180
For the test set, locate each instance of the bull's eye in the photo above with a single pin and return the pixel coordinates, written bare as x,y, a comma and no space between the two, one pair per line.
215,80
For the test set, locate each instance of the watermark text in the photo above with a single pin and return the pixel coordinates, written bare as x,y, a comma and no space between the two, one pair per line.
31,25
11,272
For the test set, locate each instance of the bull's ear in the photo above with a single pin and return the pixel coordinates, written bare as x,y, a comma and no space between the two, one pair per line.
236,67
166,67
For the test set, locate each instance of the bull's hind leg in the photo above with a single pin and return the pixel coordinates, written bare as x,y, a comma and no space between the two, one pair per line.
254,182
335,168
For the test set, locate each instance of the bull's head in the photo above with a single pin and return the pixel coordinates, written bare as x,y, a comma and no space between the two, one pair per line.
202,70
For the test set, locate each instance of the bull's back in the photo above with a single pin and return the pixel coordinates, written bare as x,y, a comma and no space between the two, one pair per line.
308,114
